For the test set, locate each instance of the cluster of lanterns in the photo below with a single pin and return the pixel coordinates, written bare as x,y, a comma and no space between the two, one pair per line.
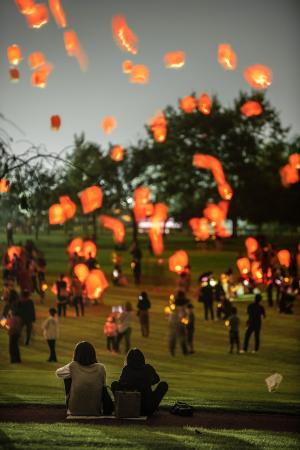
108,124
174,60
83,248
289,173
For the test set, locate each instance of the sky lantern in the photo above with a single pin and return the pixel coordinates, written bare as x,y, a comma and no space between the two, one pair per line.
115,225
127,66
289,175
75,246
158,219
91,199
178,261
256,272
4,185
117,153
58,13
200,228
284,257
188,104
204,104
55,122
202,161
74,49
39,76
141,198
243,264
14,250
37,16
251,108
14,54
294,160
36,59
14,74
227,57
25,6
89,249
68,205
108,124
251,246
213,213
81,271
139,74
158,126
174,60
56,214
225,191
123,35
95,284
258,76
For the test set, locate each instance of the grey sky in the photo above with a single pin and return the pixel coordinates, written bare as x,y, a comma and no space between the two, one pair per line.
265,32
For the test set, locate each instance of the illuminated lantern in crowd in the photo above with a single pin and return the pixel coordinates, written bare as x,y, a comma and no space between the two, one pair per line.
56,214
68,206
158,126
284,257
251,108
95,284
75,246
115,225
36,60
204,104
251,246
294,160
258,76
91,199
108,124
14,74
4,185
225,191
256,272
39,76
188,104
160,215
81,271
200,228
14,54
127,66
14,250
58,13
25,6
213,213
227,57
37,16
117,153
178,261
89,249
123,35
74,49
55,122
289,175
174,60
139,74
243,264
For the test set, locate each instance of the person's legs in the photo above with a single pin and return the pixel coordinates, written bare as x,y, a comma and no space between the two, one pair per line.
118,341
205,311
151,403
75,303
270,294
51,344
231,342
64,309
81,305
182,339
28,326
211,309
190,340
172,341
14,348
237,341
248,333
256,339
115,386
59,309
127,339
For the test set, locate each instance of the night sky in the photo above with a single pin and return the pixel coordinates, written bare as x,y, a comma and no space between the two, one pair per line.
265,32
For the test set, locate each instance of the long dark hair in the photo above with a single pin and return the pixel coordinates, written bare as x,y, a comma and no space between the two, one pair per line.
85,353
135,358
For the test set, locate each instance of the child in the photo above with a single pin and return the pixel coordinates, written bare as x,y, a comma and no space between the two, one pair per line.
190,327
234,323
110,331
50,331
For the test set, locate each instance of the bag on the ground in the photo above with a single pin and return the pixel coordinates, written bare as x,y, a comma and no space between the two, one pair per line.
182,409
127,404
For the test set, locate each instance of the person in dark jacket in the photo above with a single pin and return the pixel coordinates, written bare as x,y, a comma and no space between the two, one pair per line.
27,312
139,376
206,297
143,307
234,323
255,313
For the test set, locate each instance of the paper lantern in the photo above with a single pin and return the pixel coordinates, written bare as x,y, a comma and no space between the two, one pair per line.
200,228
117,153
75,246
294,160
157,224
251,246
68,206
204,104
225,191
209,162
74,49
213,213
141,195
56,214
108,124
55,123
127,66
91,199
149,209
188,104
89,249
95,284
123,35
256,272
36,60
14,54
25,6
251,108
139,74
37,16
58,13
289,175
178,261
174,60
39,76
243,264
14,250
4,185
81,271
115,225
158,126
258,76
227,57
14,74
284,257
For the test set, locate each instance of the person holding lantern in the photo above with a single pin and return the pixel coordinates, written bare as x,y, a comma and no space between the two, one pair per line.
51,332
124,327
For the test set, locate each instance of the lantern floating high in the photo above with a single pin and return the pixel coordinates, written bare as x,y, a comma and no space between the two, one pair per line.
68,205
4,185
227,57
39,76
123,35
178,261
95,284
139,74
108,124
36,59
258,76
14,54
213,213
55,122
294,160
37,16
81,271
127,66
117,153
244,266
91,199
115,225
25,6
284,257
89,249
56,214
188,104
204,104
289,175
200,228
58,13
75,246
256,272
158,126
174,60
74,49
251,108
14,74
160,214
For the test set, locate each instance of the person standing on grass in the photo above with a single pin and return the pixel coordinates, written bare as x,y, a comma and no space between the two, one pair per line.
110,331
124,327
255,313
77,294
234,323
51,333
190,327
143,307
177,330
27,312
206,296
62,295
14,327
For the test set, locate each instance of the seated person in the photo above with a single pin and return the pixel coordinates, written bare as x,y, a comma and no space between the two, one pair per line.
139,376
84,382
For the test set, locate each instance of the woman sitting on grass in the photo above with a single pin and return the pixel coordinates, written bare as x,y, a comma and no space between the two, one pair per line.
85,382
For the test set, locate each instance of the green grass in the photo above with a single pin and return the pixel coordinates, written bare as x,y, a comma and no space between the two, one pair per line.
65,436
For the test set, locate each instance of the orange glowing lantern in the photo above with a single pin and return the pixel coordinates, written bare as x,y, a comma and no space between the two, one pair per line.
294,160
36,59
74,49
14,74
158,219
243,264
117,153
213,213
95,284
75,246
37,16
251,246
81,271
256,272
289,175
123,35
55,122
68,206
141,195
225,191
127,66
14,250
91,199
174,60
108,124
58,13
4,185
284,257
149,209
158,126
202,161
139,74
14,54
188,104
200,228
56,214
227,57
39,76
89,249
115,225
178,261
258,76
205,104
251,108
25,6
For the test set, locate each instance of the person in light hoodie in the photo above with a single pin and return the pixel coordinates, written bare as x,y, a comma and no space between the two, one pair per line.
51,333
